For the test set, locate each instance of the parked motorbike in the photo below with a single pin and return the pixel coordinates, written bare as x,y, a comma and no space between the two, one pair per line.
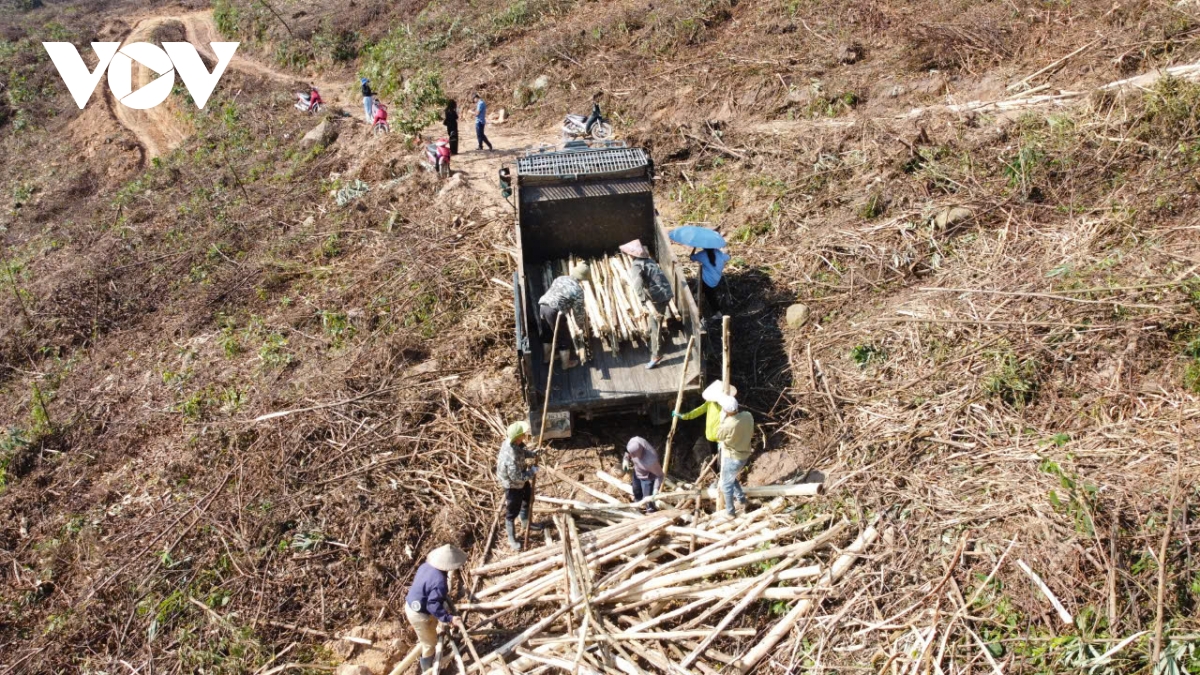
437,157
575,126
309,103
380,124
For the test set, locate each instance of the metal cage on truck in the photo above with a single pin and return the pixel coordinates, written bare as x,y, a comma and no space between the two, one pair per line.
586,201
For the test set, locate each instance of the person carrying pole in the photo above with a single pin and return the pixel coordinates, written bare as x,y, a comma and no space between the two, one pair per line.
425,605
650,284
733,436
368,99
565,296
647,472
711,409
514,474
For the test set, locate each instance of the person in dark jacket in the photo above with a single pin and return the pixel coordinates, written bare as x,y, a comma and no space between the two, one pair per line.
425,604
368,99
650,283
451,122
594,116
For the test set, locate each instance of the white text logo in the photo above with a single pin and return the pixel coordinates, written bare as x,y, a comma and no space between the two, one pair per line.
179,56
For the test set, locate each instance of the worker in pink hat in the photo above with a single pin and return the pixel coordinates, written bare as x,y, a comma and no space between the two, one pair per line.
650,284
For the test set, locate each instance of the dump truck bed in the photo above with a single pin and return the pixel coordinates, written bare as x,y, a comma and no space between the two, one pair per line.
586,203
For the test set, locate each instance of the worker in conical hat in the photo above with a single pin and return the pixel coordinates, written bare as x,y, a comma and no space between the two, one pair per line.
514,473
425,606
650,284
565,296
711,408
733,438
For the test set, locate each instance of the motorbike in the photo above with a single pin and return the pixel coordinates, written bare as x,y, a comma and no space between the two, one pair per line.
575,126
380,124
309,103
437,157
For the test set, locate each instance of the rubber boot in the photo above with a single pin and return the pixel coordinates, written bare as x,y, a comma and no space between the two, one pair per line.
426,663
509,528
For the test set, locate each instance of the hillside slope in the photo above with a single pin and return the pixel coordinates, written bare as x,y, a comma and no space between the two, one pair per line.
1001,355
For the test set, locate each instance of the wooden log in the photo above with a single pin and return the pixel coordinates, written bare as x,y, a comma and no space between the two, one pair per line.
683,379
726,367
662,618
627,635
407,661
614,481
765,579
784,626
591,491
796,550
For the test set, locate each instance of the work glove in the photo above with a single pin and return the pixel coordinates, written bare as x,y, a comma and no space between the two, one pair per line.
625,466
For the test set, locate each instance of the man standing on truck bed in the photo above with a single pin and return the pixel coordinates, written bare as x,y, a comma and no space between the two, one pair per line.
565,296
514,476
649,283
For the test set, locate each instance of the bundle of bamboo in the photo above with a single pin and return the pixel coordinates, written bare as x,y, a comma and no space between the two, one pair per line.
615,313
624,592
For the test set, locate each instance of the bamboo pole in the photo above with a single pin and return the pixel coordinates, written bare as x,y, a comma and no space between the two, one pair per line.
683,378
542,428
725,376
781,629
765,580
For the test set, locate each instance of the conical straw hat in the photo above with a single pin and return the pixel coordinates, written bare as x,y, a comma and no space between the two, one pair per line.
447,558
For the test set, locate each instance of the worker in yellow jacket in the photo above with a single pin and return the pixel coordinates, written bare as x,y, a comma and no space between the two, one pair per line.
711,408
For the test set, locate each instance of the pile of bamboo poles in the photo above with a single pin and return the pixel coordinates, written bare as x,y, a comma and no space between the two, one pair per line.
614,590
615,313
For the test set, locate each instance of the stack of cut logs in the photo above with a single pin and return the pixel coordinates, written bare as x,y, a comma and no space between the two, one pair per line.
614,311
679,591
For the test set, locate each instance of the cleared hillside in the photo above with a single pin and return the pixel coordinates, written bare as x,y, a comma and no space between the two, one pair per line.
1001,356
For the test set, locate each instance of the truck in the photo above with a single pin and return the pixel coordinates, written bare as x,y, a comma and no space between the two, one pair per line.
585,200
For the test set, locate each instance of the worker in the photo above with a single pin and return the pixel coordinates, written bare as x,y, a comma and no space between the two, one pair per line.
650,284
514,475
711,409
368,99
594,116
647,473
481,122
425,604
451,122
733,436
565,296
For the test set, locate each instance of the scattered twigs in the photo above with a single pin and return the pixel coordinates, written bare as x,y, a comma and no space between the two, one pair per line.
1037,581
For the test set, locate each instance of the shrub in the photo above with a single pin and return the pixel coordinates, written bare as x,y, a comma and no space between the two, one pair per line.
1014,381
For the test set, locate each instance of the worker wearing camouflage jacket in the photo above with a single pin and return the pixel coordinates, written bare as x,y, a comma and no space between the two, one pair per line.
565,296
514,474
